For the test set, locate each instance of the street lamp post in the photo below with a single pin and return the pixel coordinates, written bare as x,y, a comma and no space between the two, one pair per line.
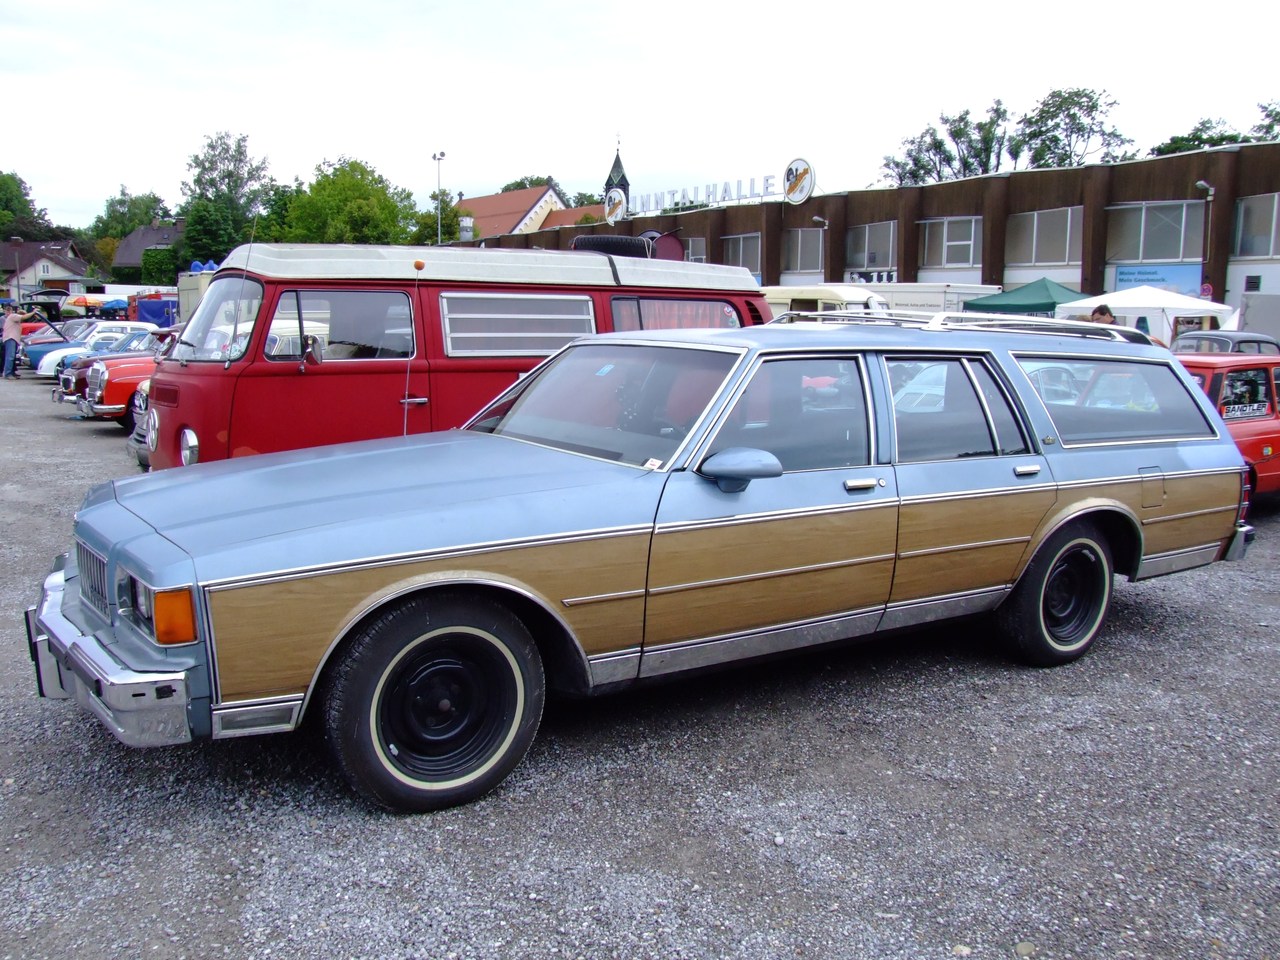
437,157
1208,241
822,225
17,269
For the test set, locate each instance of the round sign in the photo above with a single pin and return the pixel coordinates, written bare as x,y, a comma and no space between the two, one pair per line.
1206,290
797,181
615,205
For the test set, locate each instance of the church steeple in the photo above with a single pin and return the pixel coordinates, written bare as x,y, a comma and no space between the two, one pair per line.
617,190
618,177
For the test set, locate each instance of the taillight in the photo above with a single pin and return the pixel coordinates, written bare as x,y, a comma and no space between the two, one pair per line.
1245,489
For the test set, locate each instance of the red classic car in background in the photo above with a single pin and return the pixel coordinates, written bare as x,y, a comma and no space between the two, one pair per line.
103,387
1243,388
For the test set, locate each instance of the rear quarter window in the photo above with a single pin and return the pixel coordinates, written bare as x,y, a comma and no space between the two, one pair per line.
513,324
671,313
1101,400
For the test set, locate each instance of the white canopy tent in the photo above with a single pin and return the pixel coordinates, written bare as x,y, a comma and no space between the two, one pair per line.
1160,307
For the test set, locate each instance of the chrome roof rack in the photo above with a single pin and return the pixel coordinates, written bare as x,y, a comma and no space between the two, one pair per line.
947,320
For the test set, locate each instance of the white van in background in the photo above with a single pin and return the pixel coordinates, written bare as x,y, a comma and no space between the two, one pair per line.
823,298
931,297
877,297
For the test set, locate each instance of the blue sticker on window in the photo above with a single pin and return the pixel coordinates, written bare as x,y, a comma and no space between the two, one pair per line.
604,371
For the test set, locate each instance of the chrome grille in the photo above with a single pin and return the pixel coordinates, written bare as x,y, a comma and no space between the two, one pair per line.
97,376
93,580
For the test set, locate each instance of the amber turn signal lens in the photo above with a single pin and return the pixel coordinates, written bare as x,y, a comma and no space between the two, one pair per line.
174,617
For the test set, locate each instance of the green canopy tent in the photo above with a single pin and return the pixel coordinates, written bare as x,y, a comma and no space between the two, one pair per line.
1039,296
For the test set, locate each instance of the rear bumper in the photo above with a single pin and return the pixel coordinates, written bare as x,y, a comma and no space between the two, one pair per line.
142,709
1240,541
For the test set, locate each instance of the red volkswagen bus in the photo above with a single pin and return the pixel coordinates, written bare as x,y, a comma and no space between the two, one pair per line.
298,345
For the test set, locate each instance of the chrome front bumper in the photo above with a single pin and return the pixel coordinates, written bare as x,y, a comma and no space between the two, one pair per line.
90,409
141,709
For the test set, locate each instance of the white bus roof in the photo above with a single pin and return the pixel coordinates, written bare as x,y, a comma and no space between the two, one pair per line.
313,261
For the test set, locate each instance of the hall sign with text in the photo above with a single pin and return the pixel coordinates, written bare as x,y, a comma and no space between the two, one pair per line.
796,187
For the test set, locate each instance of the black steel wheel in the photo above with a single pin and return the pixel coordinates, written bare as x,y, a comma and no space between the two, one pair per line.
434,702
1060,604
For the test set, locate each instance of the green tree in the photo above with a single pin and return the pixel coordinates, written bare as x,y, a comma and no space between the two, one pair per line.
273,226
586,199
1206,133
18,215
350,202
124,213
160,266
964,147
1268,128
209,233
424,233
225,175
1070,128
524,183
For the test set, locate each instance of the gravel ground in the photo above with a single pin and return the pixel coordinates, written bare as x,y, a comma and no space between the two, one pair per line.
916,797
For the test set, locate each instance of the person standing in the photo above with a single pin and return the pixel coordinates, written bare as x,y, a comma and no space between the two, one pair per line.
12,334
1102,314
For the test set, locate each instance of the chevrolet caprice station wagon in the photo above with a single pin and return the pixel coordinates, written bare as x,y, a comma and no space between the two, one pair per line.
640,505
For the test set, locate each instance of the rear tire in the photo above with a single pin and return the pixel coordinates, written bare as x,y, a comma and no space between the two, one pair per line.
1060,604
434,702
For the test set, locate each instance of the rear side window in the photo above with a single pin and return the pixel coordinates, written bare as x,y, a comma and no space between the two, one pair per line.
1103,400
655,313
1247,394
344,324
513,325
951,409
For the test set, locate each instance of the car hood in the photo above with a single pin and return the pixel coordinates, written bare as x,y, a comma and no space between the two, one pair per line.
105,356
379,498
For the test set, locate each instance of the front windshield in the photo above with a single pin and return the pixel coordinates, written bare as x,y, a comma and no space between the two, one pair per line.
625,402
223,323
71,329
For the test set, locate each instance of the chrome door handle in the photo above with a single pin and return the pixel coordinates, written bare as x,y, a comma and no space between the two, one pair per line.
1027,470
415,401
870,483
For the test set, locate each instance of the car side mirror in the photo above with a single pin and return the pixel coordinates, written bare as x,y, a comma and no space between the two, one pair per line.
735,467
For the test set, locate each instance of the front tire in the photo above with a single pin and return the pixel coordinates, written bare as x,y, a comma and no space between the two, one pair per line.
1060,603
434,702
127,420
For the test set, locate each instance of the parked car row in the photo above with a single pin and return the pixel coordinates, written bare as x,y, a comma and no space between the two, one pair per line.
100,370
46,353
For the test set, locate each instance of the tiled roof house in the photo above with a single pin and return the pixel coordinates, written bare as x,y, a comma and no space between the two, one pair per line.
158,233
51,264
517,211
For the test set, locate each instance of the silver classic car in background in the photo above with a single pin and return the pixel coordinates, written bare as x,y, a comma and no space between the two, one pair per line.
640,505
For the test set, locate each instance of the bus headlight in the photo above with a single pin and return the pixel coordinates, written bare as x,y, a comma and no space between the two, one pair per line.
189,447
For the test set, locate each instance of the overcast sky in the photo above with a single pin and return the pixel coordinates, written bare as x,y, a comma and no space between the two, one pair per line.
696,90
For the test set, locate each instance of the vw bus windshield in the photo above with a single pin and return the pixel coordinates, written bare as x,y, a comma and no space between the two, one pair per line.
223,323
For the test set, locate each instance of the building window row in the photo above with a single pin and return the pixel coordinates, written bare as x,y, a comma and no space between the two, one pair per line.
802,250
872,246
1045,237
956,242
743,251
1155,232
1257,231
